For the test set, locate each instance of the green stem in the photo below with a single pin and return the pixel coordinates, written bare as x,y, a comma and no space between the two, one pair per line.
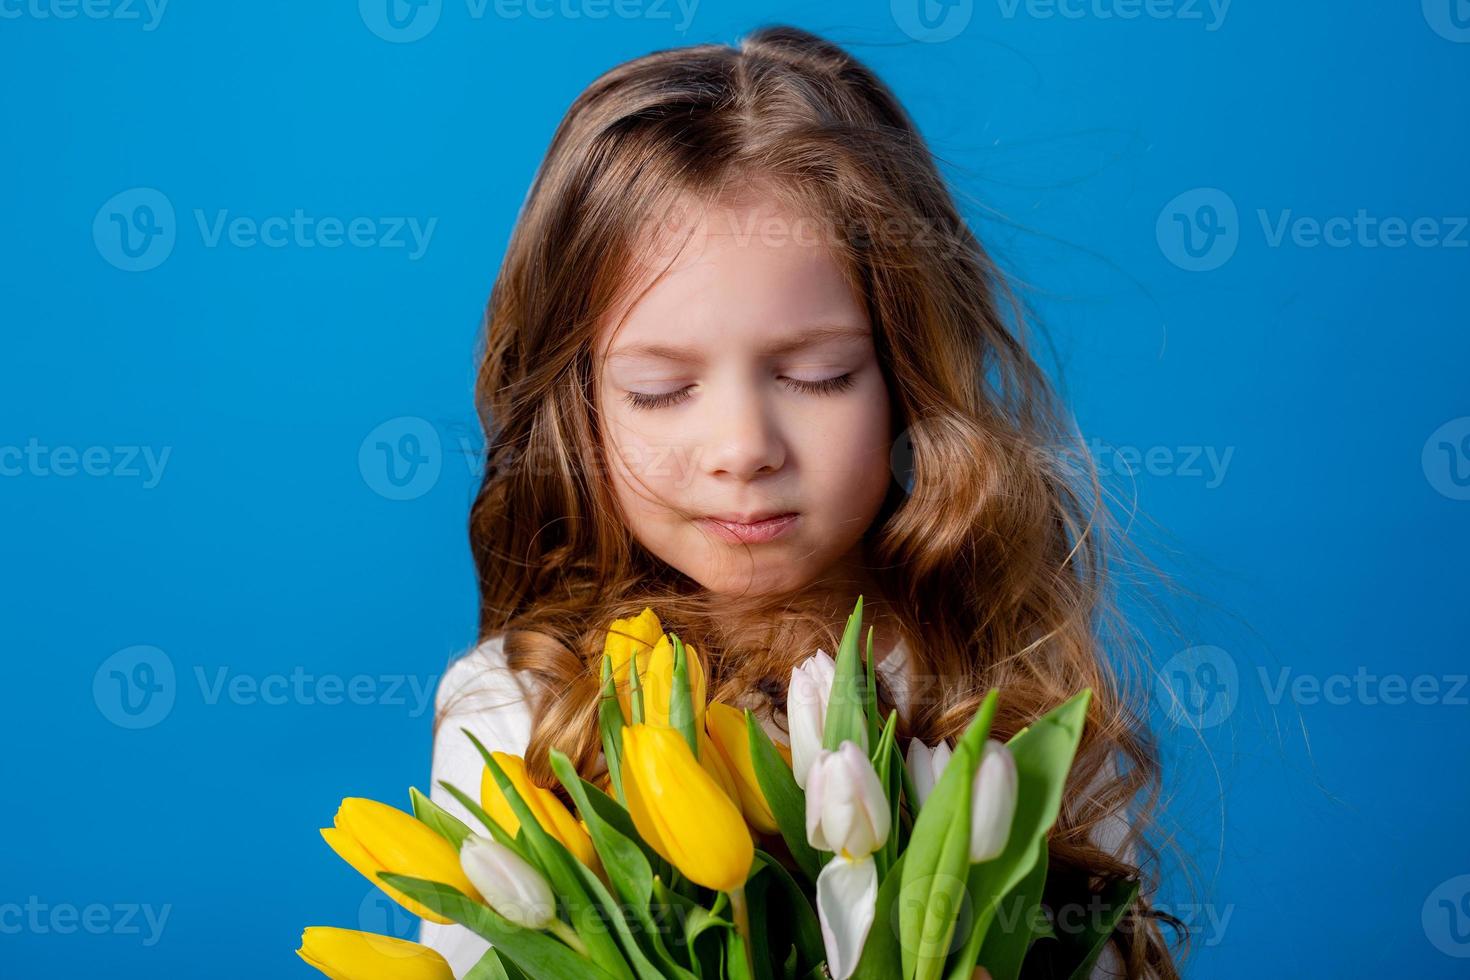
568,935
742,921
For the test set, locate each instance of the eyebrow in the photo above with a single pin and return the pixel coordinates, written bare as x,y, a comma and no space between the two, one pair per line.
807,338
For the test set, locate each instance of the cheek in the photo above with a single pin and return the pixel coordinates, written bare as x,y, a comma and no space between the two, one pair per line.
848,450
642,464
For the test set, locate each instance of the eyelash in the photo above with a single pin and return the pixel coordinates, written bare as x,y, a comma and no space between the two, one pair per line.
827,386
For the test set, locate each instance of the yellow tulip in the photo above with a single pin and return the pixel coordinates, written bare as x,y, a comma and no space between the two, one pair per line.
681,811
727,732
550,812
644,635
373,837
624,638
718,767
657,682
345,954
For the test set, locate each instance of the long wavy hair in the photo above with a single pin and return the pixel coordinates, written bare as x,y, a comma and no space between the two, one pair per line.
993,547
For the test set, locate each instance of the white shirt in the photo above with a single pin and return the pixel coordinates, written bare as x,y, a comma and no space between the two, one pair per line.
481,693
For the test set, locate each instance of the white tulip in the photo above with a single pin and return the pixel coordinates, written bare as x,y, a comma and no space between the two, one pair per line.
847,898
806,710
847,811
993,802
509,884
926,765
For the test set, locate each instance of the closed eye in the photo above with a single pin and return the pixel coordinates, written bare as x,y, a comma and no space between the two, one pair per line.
826,386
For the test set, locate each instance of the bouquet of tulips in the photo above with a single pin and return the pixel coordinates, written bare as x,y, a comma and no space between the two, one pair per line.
712,851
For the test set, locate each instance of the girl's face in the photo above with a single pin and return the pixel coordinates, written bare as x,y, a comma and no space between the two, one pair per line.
745,385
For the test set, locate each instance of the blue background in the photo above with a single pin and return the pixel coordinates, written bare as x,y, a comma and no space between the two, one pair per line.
1324,837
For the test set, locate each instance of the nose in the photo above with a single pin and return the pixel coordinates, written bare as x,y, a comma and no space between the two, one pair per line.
744,439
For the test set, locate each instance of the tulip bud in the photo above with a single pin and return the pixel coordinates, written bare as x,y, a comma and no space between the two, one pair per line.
510,884
374,837
993,803
346,954
682,811
730,738
552,815
846,808
806,710
926,766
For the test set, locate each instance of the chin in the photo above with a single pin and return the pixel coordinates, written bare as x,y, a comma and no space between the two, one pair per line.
766,578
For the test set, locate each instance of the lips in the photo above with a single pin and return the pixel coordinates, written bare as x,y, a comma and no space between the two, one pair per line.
751,518
755,528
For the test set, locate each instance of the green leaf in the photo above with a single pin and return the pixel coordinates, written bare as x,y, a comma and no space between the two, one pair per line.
796,915
938,857
494,829
610,723
681,699
1018,916
883,752
1043,754
870,694
587,915
1117,898
624,860
490,967
536,953
635,689
783,796
882,958
846,721
439,820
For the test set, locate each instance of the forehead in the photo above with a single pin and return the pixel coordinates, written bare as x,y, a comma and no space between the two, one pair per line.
753,275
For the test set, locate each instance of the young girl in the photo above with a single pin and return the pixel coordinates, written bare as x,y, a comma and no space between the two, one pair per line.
744,363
